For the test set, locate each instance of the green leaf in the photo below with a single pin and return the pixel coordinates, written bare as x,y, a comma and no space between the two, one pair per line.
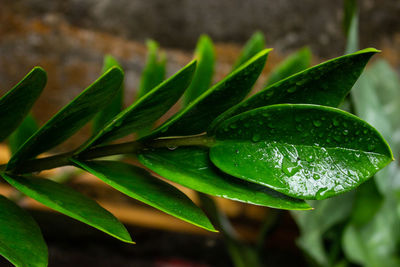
191,167
254,45
304,151
350,25
115,107
140,185
154,71
147,109
69,202
72,117
25,130
202,78
325,84
17,103
21,241
196,117
294,63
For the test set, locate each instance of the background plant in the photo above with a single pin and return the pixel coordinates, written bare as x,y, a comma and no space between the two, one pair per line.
282,145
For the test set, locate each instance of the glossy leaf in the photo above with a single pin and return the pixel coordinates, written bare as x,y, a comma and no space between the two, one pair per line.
139,184
17,103
25,130
324,84
202,78
254,45
304,151
154,71
21,241
191,167
147,109
113,108
196,117
72,117
294,63
69,202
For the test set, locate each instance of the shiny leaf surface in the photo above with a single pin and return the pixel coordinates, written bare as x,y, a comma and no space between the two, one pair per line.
304,151
191,167
17,103
71,203
139,184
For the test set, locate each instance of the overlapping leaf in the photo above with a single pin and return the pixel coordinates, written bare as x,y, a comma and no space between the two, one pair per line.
196,117
325,84
21,241
17,103
25,130
254,45
304,151
69,202
72,117
147,109
191,167
139,184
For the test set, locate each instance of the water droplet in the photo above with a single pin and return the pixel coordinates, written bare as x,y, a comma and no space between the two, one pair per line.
371,146
172,147
357,132
365,131
292,89
323,118
246,124
299,127
256,137
301,82
290,167
269,93
237,151
310,158
337,138
226,129
266,115
317,123
345,132
271,125
260,122
164,129
316,176
345,124
328,140
233,126
335,122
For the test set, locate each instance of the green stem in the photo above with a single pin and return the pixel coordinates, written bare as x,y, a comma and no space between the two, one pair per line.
135,147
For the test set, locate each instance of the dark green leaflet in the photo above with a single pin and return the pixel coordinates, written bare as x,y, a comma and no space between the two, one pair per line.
202,79
325,84
304,151
254,45
191,167
139,184
21,241
17,103
25,130
115,107
147,109
72,117
69,202
196,117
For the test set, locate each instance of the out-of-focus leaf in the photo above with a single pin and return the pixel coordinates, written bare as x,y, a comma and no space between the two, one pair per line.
197,116
254,45
25,130
21,241
191,167
69,202
72,117
325,84
17,102
147,109
294,63
115,107
154,72
202,78
140,185
350,25
304,151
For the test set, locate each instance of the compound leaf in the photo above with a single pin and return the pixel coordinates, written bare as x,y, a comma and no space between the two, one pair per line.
21,241
191,167
17,103
69,202
304,151
196,117
72,117
324,84
139,184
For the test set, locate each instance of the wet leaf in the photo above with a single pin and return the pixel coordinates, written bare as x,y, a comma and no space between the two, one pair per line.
17,103
324,84
191,167
304,151
202,78
21,241
147,109
254,45
139,184
71,118
197,116
69,202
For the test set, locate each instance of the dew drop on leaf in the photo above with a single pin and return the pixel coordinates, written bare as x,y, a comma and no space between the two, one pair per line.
317,123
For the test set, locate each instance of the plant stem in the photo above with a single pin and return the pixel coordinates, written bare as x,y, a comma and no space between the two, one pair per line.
135,147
